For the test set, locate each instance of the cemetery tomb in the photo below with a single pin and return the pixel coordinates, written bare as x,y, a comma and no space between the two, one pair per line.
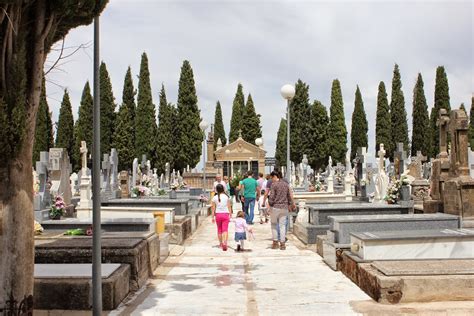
409,245
318,219
343,225
107,224
338,236
141,253
69,286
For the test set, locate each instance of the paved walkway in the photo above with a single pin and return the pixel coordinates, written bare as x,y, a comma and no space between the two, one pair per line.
205,280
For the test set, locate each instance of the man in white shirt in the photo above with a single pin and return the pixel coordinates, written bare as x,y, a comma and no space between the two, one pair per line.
220,181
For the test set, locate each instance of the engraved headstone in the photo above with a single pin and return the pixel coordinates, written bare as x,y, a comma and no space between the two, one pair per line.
114,182
134,172
106,174
74,184
43,198
400,157
59,168
124,184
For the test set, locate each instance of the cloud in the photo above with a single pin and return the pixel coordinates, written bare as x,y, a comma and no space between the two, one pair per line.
267,44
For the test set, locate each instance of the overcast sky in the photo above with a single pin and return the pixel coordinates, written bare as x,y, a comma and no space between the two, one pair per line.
265,44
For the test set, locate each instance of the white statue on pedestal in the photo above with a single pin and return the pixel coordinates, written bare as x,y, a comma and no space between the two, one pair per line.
381,181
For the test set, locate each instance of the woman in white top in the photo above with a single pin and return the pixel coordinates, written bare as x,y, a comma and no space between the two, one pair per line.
221,213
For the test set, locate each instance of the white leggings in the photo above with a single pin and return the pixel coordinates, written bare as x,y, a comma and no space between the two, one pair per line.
278,218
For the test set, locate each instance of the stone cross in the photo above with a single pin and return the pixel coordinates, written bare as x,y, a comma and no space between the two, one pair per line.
459,126
400,156
418,164
134,172
114,169
83,150
442,123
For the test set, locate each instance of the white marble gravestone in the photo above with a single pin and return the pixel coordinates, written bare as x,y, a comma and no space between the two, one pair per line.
59,168
134,172
330,178
43,198
114,181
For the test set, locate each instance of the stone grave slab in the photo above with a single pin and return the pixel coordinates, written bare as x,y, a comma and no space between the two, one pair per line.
137,212
409,245
181,205
69,286
180,230
107,224
343,225
425,267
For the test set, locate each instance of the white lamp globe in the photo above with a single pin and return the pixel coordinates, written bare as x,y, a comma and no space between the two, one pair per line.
203,125
227,151
287,91
259,142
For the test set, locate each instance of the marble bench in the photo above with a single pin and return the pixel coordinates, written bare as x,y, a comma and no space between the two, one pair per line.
69,286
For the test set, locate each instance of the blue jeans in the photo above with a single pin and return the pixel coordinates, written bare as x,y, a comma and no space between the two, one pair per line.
286,228
249,205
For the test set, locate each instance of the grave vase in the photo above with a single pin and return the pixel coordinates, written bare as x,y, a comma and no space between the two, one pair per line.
173,194
405,193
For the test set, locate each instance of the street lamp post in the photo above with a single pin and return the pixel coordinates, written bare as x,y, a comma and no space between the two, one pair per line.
288,92
203,126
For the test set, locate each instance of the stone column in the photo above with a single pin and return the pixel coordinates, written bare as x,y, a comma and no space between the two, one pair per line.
232,168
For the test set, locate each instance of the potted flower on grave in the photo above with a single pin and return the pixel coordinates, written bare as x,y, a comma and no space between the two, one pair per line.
57,208
174,186
38,228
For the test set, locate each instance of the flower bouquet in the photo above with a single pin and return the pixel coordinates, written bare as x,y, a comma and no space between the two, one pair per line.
58,208
140,190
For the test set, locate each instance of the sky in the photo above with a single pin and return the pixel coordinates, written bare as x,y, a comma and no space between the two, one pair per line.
266,44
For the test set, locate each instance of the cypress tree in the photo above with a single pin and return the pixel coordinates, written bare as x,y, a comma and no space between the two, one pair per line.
383,123
145,116
83,128
164,139
219,132
359,126
44,139
175,141
107,110
398,114
462,107
189,134
124,135
300,111
337,138
280,150
251,122
421,137
316,140
236,121
471,124
441,101
65,132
